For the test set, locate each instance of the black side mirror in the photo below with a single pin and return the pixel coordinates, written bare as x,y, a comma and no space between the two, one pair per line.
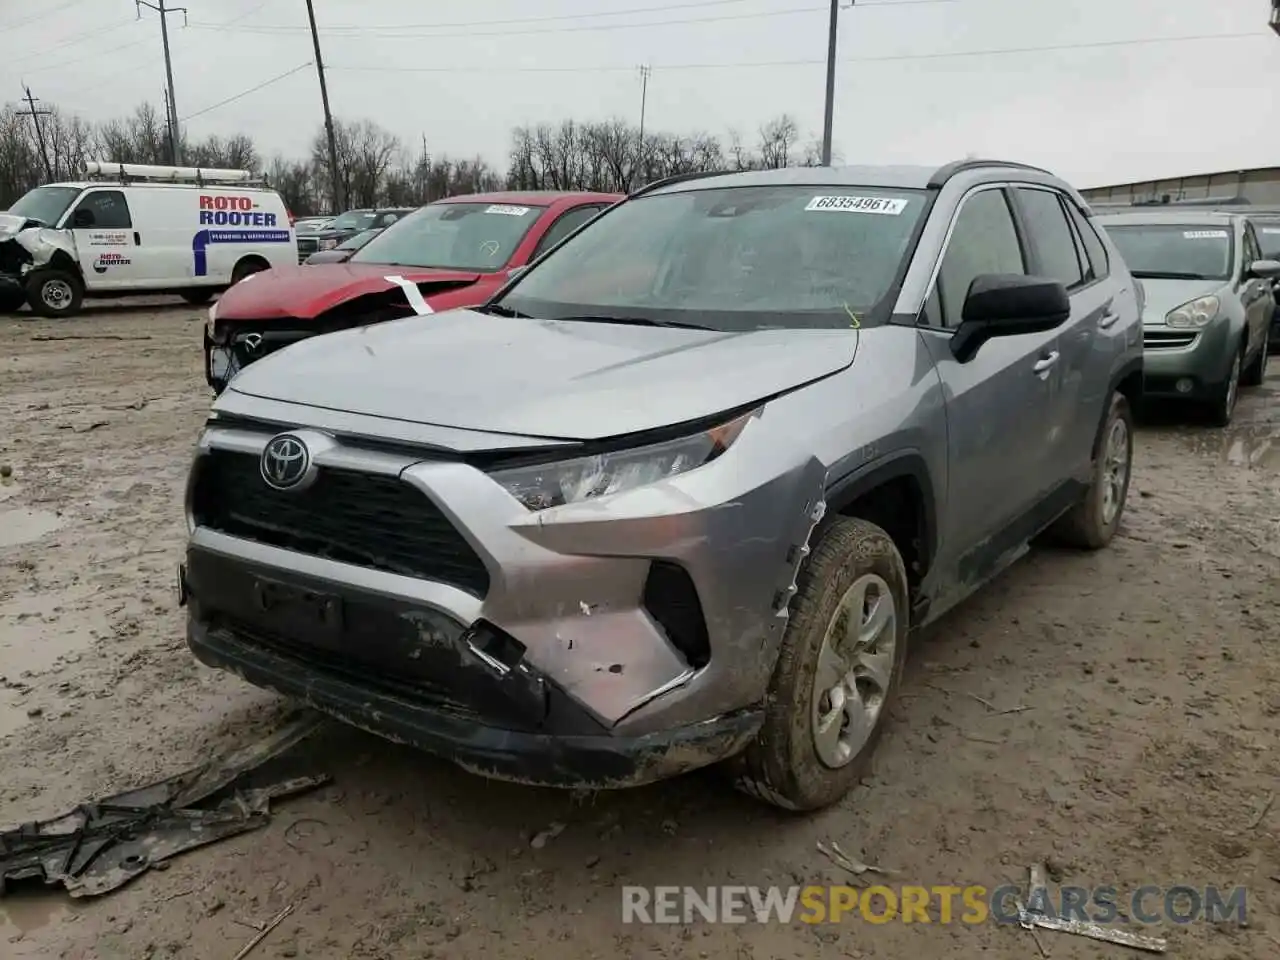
83,218
1006,305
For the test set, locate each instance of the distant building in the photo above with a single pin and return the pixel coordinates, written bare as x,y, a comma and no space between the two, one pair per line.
1260,185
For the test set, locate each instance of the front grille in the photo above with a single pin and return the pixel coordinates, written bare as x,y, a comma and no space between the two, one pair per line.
358,518
1168,339
306,247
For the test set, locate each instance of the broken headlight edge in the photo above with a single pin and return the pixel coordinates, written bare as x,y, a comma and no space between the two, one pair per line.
546,485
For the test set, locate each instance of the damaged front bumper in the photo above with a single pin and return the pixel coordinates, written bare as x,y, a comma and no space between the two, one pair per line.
591,645
230,349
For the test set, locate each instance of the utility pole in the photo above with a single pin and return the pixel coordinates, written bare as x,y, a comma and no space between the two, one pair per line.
829,115
338,204
168,126
645,70
35,118
174,134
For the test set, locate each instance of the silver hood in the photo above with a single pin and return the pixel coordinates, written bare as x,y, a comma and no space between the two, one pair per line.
539,378
1162,296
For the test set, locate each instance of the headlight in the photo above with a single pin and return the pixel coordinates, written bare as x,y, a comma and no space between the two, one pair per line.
213,318
1194,314
328,243
585,478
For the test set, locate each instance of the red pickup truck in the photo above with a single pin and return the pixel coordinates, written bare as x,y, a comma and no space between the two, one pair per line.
448,254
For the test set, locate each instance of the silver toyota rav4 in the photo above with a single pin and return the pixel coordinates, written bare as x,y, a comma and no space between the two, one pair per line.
681,492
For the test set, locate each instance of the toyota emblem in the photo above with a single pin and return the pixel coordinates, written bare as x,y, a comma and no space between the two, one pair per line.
286,462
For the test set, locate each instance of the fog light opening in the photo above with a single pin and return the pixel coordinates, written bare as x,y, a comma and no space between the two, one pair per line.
1185,385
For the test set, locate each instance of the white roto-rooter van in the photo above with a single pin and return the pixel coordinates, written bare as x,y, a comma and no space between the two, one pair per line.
133,229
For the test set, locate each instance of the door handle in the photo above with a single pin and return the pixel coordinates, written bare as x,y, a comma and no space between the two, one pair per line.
1044,363
137,239
1108,320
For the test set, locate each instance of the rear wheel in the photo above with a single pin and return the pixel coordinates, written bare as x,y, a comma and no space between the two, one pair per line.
247,268
55,293
837,672
197,297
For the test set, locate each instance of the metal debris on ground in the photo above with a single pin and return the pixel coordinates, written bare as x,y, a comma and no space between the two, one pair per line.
846,862
1262,814
262,934
540,840
102,845
1033,915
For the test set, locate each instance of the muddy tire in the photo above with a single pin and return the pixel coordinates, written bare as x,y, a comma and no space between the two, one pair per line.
837,672
196,297
1223,406
55,293
1256,372
1092,522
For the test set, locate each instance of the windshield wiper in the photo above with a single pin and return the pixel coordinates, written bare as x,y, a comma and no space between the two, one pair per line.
637,322
498,310
1167,275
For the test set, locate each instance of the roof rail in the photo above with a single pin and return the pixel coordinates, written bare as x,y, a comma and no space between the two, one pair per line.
147,172
949,170
676,178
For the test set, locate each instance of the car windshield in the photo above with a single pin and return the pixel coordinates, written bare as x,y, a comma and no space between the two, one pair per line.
1174,251
46,204
359,240
478,237
733,259
1269,240
353,220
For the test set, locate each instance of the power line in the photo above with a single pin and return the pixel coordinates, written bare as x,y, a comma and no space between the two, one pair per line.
70,42
244,93
175,135
761,64
44,15
31,102
403,33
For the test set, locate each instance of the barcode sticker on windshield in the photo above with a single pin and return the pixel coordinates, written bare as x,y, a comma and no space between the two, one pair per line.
889,206
506,210
1204,234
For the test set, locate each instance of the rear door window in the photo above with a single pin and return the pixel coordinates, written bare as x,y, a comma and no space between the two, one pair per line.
567,223
1050,236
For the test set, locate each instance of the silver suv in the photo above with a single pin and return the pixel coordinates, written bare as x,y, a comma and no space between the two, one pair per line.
681,492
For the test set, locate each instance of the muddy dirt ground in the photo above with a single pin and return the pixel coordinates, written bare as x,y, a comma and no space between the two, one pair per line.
1152,671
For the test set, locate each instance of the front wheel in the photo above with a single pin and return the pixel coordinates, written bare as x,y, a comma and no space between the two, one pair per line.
837,672
1092,522
1256,372
55,293
1223,406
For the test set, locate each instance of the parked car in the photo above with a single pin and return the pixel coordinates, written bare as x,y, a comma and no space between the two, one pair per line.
1209,302
343,228
312,224
453,253
1267,227
679,493
131,229
343,251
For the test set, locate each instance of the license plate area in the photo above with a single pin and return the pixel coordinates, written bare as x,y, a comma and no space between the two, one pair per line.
298,611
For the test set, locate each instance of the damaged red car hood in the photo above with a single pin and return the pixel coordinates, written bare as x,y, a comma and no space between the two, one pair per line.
308,291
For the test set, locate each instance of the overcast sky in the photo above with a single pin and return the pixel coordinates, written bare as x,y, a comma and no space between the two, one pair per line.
919,81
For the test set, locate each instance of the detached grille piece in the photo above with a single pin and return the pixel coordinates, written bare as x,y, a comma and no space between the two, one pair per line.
672,600
359,518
